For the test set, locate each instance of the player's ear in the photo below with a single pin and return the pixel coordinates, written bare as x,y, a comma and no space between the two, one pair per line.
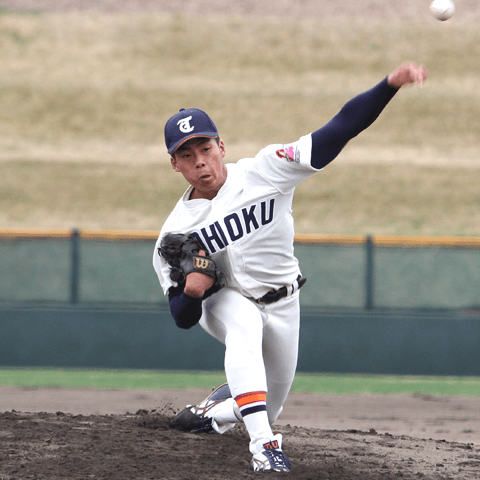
173,161
221,147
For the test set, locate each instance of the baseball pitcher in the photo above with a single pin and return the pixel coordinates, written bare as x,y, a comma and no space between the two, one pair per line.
225,259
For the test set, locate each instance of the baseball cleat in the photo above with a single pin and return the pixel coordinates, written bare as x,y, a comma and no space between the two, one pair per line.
271,458
188,421
194,418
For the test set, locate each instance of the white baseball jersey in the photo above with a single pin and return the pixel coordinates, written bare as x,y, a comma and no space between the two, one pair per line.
248,227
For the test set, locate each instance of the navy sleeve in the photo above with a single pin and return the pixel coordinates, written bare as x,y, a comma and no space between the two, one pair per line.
355,116
186,310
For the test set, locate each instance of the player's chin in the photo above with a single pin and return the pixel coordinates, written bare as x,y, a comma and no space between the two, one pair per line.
208,182
208,190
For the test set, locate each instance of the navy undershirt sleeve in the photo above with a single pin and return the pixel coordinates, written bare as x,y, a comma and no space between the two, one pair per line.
186,310
355,116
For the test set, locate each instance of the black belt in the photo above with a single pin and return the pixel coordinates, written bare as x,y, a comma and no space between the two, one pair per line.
276,295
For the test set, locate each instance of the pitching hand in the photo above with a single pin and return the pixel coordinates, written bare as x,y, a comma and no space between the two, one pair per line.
407,73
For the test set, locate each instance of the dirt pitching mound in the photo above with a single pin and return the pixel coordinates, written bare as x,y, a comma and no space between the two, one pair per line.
143,446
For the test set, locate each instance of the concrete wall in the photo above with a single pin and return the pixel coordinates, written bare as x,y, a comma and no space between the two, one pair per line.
340,342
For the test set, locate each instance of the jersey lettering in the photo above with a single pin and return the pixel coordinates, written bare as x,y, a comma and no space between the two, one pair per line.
212,237
235,230
249,218
228,223
221,232
263,206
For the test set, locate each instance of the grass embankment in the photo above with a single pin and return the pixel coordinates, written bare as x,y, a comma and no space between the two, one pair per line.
85,96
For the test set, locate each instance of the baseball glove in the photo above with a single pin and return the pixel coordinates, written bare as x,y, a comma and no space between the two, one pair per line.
181,252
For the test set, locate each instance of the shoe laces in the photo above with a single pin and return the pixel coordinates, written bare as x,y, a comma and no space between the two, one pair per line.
277,459
202,411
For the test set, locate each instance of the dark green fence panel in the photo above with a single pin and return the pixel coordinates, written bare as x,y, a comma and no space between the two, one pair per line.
335,273
427,277
35,270
118,271
360,276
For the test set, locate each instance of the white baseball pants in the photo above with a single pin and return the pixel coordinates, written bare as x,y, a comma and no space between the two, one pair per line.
261,343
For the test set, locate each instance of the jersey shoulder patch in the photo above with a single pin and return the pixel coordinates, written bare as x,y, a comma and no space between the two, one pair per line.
291,153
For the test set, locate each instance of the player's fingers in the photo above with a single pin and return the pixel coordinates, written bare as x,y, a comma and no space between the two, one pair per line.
420,74
407,73
412,74
423,74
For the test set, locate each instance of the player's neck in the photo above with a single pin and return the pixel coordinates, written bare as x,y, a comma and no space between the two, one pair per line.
197,194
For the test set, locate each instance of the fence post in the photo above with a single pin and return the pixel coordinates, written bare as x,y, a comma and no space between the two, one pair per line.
369,273
74,265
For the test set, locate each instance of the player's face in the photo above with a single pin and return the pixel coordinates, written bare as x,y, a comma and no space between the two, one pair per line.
200,160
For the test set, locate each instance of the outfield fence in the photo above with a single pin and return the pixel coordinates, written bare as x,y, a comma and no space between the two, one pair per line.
365,272
374,304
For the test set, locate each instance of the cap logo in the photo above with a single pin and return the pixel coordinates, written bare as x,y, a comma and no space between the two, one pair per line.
184,125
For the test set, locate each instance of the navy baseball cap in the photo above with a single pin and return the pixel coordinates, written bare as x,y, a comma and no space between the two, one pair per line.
186,124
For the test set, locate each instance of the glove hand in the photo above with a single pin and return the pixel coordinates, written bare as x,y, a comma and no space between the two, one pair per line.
198,283
191,264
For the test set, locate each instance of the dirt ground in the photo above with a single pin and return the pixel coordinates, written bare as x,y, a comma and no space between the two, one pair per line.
78,434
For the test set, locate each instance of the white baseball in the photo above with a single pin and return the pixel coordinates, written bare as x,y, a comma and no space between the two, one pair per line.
442,9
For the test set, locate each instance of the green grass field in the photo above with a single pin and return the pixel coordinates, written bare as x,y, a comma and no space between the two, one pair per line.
85,97
152,380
